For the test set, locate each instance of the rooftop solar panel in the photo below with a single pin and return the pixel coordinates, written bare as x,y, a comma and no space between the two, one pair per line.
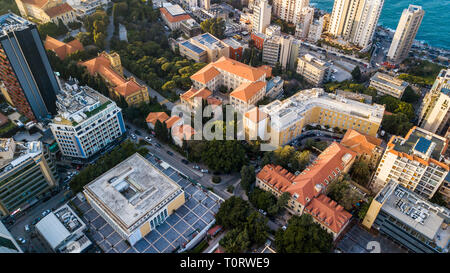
422,145
192,47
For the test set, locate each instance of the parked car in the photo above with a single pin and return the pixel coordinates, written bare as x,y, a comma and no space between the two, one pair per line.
27,228
196,167
46,212
284,227
148,139
158,145
184,161
21,240
204,171
133,136
169,153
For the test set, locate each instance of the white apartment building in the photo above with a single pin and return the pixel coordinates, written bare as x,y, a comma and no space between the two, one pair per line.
355,20
86,122
388,85
369,20
305,21
313,70
416,162
435,109
315,29
261,15
277,49
289,10
8,243
405,33
273,30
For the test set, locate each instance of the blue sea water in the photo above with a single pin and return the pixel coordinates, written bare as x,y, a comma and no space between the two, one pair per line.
434,29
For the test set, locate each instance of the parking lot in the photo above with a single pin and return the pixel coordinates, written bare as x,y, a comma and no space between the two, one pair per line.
358,240
190,219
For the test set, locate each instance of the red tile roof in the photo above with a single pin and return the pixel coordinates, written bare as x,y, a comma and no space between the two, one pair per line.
184,132
203,93
102,66
174,19
61,49
246,91
58,10
328,212
37,3
311,182
171,121
154,116
360,143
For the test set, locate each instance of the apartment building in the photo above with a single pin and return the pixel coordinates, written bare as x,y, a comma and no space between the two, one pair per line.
386,84
409,219
314,71
173,16
416,162
193,97
277,49
304,22
258,39
405,33
86,122
261,15
28,79
236,49
248,83
109,67
289,10
435,109
307,189
134,197
61,49
26,174
367,148
287,118
355,20
273,30
315,29
47,10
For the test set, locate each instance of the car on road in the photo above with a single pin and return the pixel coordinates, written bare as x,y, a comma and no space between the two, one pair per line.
27,228
169,153
158,145
204,171
262,212
284,227
21,240
46,212
148,139
196,167
184,161
133,136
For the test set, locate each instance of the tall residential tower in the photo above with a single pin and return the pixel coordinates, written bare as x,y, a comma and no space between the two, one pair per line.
405,33
261,16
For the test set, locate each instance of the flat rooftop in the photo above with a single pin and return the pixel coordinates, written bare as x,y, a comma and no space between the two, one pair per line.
390,81
421,141
192,47
10,22
208,40
175,10
419,214
285,113
132,189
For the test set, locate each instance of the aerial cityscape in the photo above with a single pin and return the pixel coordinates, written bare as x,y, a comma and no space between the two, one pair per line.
224,126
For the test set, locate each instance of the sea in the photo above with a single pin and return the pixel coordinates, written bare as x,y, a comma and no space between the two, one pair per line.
434,29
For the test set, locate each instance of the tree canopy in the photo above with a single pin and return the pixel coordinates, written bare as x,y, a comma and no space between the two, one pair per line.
302,235
215,26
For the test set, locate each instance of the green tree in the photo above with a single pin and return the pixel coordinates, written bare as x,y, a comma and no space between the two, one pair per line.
410,96
396,124
257,228
233,213
303,236
356,74
248,177
363,210
215,26
360,172
235,241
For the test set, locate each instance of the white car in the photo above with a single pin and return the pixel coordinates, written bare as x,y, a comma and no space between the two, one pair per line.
148,139
21,240
204,171
27,228
196,167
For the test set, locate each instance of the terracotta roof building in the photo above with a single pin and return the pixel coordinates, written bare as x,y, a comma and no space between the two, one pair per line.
155,116
368,148
109,67
61,49
193,97
248,83
47,10
182,132
173,16
310,185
